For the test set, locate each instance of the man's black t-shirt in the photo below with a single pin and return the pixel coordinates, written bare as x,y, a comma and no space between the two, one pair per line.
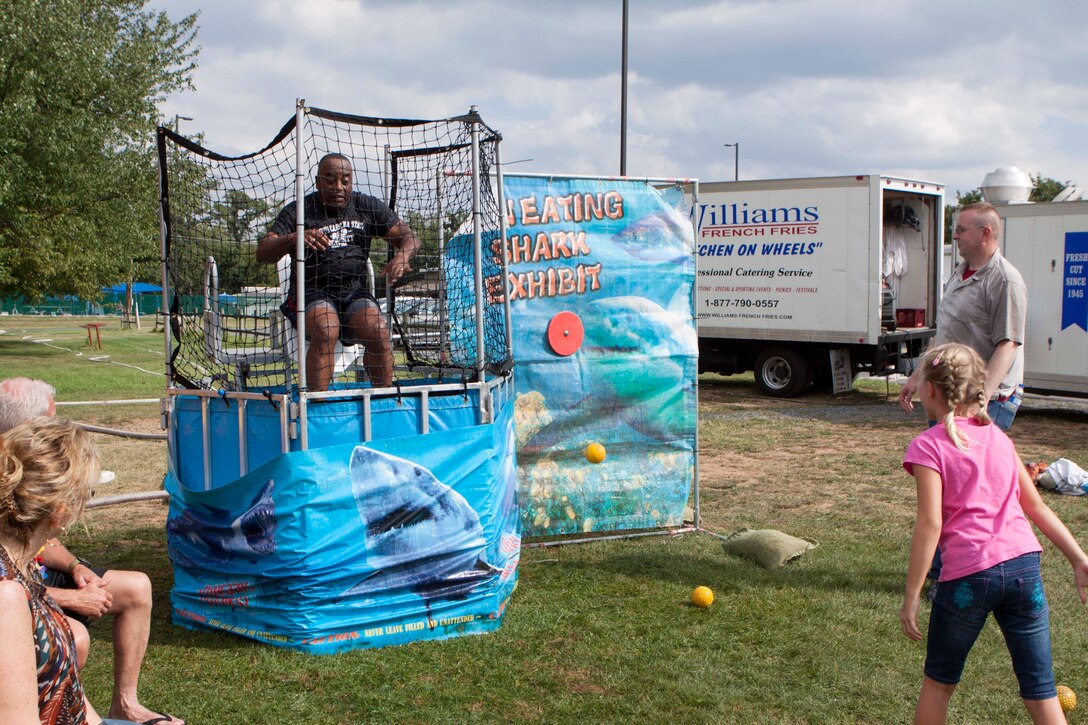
340,271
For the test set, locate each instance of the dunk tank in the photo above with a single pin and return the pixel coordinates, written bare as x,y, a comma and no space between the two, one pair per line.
369,512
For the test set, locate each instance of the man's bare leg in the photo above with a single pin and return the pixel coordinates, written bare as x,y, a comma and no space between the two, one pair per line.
131,612
368,326
323,331
378,361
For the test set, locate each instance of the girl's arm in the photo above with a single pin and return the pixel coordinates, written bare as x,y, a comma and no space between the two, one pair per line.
18,669
927,530
1052,527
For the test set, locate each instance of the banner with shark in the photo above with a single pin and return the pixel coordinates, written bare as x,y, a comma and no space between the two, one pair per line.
349,546
600,278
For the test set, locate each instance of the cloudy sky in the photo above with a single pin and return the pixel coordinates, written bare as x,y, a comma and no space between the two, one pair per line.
943,91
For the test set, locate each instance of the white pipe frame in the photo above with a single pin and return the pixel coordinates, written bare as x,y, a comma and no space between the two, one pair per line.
696,519
206,396
443,321
488,391
300,265
165,410
486,415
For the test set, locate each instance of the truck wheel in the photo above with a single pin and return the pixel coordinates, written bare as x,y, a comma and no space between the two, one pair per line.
781,372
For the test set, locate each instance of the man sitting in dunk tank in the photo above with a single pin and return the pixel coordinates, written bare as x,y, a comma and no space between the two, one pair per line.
339,226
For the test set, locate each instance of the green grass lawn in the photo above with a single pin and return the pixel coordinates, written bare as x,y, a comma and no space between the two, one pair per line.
603,632
130,365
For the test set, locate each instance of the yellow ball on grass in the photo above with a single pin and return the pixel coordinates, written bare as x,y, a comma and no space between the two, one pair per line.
702,597
1066,698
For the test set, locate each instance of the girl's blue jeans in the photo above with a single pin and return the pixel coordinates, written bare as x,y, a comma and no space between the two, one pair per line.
1013,592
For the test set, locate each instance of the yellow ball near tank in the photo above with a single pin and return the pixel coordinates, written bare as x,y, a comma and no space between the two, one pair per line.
1066,698
702,597
595,453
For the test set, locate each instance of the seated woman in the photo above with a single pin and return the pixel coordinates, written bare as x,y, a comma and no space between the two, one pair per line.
46,469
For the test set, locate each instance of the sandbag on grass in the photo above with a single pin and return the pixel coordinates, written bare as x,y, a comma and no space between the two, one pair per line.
768,548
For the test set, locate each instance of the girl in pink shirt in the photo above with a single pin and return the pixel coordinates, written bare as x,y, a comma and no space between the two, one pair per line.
975,500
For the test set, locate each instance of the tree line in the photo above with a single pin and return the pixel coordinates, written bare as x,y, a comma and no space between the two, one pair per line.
80,82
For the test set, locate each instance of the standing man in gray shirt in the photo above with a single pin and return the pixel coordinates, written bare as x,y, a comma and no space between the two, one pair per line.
984,306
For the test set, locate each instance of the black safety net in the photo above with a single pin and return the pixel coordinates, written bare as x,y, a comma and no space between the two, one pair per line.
229,225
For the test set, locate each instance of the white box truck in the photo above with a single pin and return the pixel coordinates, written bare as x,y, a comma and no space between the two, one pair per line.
817,279
1048,243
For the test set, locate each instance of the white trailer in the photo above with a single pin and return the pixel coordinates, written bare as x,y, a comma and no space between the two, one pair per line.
1048,243
817,279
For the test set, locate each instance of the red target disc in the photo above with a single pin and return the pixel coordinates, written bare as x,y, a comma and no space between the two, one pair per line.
565,333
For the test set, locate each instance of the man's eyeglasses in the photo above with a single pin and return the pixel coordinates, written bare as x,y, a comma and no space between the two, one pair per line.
961,230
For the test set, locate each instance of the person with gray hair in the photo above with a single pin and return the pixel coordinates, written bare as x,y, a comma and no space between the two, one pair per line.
22,399
85,593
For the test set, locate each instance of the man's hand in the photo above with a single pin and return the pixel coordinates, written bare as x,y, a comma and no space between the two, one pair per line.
272,248
1080,578
315,239
407,244
90,601
84,576
398,267
999,365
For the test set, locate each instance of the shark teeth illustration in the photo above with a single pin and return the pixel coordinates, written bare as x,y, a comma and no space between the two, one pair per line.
220,538
420,533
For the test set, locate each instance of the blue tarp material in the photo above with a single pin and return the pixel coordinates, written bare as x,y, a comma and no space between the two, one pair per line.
138,288
347,546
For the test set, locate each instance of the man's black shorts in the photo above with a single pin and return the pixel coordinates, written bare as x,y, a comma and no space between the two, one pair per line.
344,306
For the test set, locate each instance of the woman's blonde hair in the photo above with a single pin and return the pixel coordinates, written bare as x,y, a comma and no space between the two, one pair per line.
959,375
46,465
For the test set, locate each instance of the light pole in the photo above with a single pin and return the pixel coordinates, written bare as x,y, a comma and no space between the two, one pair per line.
178,119
736,159
623,96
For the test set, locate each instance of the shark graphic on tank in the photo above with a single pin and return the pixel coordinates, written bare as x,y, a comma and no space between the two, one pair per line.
218,536
421,534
